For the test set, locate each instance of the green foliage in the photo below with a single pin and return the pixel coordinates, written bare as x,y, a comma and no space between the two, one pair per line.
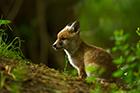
4,22
67,70
97,89
90,79
99,18
11,50
91,69
19,73
127,59
95,72
66,64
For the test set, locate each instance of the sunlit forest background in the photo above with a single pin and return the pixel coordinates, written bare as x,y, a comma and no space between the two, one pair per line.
110,24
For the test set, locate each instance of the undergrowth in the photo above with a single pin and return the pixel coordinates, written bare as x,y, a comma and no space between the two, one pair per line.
10,75
127,58
10,49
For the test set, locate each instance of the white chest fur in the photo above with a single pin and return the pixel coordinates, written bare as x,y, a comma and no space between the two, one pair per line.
70,59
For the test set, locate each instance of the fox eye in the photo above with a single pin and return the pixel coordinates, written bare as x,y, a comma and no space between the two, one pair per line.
63,38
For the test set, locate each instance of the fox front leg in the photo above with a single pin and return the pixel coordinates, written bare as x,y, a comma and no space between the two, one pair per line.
81,72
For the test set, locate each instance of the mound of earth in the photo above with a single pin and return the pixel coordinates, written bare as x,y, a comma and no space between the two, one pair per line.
25,77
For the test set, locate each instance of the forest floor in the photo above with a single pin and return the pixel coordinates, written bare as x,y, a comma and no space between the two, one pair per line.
24,77
21,76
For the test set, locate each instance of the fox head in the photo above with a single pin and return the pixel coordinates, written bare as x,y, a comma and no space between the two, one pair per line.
67,37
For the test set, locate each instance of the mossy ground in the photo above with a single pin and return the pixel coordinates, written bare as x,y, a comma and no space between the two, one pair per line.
21,76
38,78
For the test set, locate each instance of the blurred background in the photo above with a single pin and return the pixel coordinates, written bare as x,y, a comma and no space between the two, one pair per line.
37,22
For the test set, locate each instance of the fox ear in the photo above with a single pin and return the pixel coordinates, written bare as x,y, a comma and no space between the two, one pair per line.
76,26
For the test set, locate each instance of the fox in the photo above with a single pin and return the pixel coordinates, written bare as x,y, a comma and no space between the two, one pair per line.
82,55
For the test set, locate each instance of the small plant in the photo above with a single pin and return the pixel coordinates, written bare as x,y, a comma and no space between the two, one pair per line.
67,70
127,58
91,79
66,65
9,49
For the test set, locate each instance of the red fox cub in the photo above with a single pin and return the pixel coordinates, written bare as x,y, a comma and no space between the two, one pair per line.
81,55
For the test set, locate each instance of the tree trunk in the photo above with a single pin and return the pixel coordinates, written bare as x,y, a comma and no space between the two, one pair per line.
43,35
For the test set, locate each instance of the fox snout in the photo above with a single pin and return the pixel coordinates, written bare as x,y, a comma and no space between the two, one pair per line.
57,45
